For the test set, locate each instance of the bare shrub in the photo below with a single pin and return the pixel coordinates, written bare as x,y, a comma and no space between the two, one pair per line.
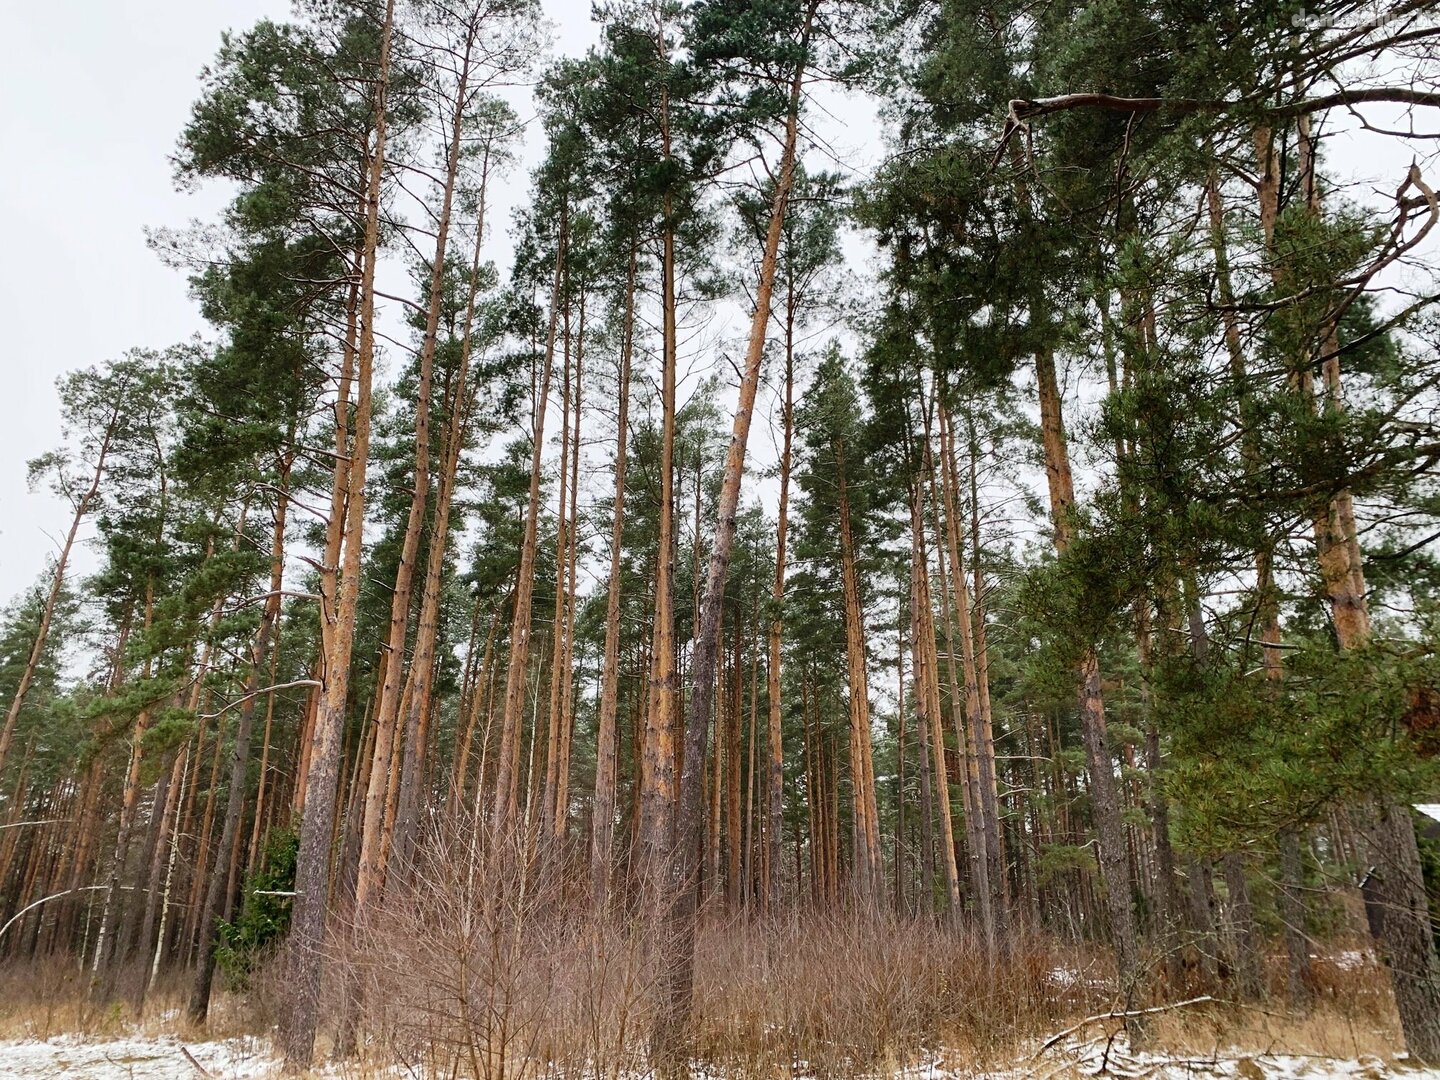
491,964
498,967
849,991
495,965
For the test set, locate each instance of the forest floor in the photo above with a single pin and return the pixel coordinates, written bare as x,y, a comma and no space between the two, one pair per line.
161,1057
167,1057
50,1028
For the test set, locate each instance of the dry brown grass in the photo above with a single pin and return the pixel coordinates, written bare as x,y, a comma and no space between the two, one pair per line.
832,994
499,968
1353,1015
535,989
53,996
839,992
548,991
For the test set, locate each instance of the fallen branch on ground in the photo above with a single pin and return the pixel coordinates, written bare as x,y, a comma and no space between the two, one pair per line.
1114,1015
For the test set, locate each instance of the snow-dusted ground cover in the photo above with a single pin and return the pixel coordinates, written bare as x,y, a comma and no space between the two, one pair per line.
165,1057
1113,1058
161,1057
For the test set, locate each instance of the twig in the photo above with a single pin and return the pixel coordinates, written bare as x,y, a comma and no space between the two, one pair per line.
55,896
45,821
191,1058
1113,1015
257,693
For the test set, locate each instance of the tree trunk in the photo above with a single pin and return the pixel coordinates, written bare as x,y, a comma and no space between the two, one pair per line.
869,879
512,716
981,741
1404,932
427,628
607,750
1109,827
716,782
57,585
812,792
927,707
733,743
183,762
748,864
1291,906
901,837
1167,900
982,670
129,795
657,760
1244,934
481,699
376,841
1200,893
560,620
258,829
199,1005
560,812
920,692
775,732
340,588
975,841
671,1032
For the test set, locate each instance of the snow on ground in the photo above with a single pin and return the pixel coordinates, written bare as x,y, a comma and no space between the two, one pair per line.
1102,1058
1353,959
165,1058
1069,979
161,1057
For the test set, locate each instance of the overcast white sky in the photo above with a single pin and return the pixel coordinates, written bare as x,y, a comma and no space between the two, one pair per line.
97,93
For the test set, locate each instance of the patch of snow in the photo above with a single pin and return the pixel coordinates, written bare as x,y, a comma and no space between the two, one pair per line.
159,1057
1351,959
74,1057
1069,979
1100,1057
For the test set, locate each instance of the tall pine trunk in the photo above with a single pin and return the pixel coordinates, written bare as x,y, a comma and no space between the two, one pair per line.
560,620
960,707
427,625
377,837
199,1004
869,880
57,585
775,770
980,738
1105,800
565,730
607,750
512,716
659,749
671,1032
927,708
340,587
